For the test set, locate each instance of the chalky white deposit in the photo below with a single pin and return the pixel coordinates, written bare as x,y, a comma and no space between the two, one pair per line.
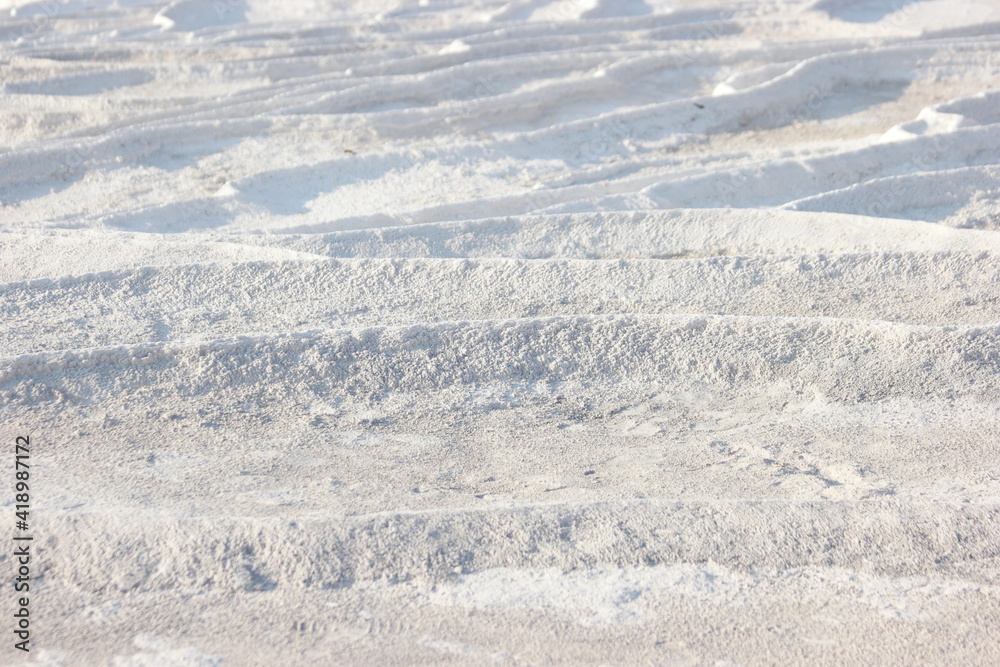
504,332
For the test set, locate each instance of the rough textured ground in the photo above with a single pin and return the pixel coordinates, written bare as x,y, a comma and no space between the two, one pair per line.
528,332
